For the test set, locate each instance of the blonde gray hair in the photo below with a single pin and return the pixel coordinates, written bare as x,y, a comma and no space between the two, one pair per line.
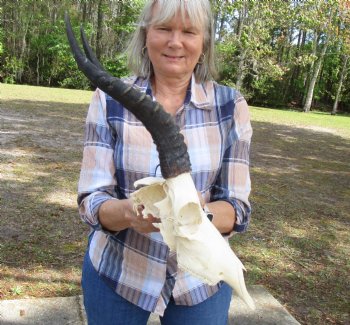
200,14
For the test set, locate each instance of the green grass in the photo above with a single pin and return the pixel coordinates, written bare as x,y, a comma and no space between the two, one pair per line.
298,243
42,94
338,124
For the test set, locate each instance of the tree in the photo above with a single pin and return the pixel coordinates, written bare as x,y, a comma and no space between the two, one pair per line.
245,48
340,85
321,16
344,43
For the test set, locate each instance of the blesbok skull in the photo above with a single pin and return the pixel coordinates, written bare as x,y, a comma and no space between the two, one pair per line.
200,248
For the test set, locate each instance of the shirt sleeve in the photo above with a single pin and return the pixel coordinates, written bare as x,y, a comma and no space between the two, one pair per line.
97,182
233,183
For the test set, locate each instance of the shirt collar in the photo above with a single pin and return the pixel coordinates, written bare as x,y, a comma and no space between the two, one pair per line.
199,95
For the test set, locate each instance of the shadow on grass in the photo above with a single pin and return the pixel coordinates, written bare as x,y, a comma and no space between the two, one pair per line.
41,145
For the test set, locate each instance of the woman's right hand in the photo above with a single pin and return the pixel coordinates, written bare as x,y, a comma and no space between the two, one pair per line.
143,224
117,215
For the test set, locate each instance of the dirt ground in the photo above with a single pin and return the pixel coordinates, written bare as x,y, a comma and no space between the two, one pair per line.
41,237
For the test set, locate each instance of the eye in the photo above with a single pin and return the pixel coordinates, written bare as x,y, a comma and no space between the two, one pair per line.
191,31
163,28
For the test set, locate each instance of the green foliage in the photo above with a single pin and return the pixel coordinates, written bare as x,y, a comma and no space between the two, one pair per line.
11,67
227,54
117,66
75,80
267,49
17,290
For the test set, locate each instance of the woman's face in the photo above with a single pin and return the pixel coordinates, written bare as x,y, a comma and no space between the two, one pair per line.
174,47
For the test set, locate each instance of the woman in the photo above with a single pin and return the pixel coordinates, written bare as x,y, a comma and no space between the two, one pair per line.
128,271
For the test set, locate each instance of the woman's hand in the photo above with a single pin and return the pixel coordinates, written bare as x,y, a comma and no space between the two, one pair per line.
143,224
117,215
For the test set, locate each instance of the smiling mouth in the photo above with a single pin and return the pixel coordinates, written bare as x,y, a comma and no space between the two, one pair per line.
173,57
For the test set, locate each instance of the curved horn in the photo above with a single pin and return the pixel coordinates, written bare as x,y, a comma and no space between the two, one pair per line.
88,51
172,150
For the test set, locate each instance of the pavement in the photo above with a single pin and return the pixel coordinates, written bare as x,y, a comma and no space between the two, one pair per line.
70,311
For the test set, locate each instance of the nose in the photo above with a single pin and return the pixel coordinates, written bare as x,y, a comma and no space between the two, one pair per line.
175,39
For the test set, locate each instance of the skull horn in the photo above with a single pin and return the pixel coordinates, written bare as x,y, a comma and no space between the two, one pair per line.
88,51
173,156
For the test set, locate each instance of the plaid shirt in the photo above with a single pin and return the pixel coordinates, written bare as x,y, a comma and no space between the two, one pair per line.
118,151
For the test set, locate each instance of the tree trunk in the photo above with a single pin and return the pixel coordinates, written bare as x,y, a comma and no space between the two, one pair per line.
221,27
289,89
241,70
99,32
242,14
316,71
38,69
342,78
308,76
84,10
242,57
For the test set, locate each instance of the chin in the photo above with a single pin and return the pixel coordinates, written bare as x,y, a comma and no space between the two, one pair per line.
175,72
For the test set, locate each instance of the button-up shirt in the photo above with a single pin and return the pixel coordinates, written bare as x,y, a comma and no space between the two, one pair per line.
118,150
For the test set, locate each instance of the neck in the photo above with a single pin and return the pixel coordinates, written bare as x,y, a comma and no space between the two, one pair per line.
164,87
170,92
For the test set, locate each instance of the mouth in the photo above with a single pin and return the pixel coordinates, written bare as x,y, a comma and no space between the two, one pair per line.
173,57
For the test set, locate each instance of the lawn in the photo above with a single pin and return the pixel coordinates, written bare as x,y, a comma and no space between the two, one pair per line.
298,242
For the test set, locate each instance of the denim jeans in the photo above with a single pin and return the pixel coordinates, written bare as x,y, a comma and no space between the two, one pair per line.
104,307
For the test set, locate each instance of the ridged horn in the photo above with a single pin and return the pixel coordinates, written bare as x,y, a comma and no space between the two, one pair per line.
172,150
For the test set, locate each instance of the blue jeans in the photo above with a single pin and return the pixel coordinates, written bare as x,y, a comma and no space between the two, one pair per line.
104,307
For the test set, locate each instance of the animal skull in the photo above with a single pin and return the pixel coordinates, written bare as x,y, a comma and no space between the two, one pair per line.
200,248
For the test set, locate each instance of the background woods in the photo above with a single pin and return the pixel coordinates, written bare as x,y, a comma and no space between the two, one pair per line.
33,42
278,53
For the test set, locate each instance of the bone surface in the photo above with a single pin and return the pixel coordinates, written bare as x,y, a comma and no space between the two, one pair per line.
200,248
